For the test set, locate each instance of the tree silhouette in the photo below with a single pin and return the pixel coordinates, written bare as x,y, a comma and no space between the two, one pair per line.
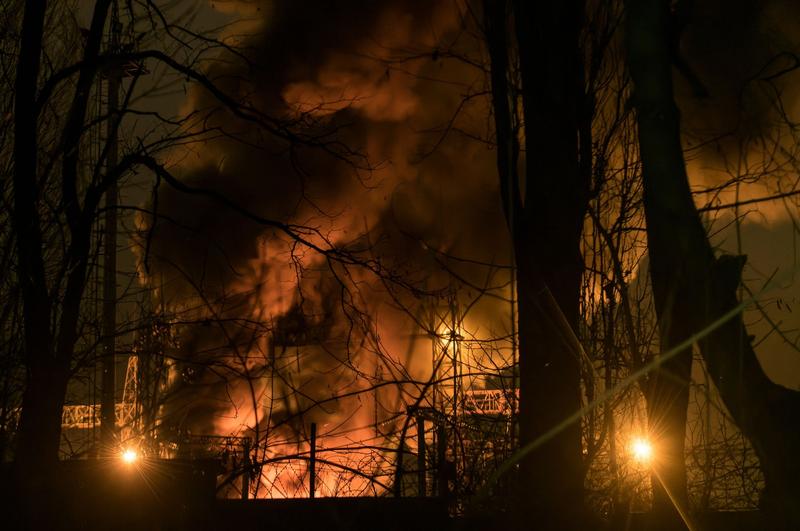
57,190
692,287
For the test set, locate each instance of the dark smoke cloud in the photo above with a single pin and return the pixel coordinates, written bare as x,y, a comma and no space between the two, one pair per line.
349,65
743,53
339,62
736,49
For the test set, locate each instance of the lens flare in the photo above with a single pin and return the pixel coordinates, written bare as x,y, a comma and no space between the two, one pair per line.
130,456
642,450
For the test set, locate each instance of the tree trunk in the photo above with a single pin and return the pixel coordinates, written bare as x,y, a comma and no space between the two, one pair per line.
40,424
37,304
50,315
667,392
692,288
39,432
546,228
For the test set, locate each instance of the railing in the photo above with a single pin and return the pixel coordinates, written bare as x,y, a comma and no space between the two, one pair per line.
491,401
84,416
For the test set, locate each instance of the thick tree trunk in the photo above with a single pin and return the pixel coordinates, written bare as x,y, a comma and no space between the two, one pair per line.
671,268
693,289
546,228
37,304
50,314
551,477
40,424
667,398
39,431
768,414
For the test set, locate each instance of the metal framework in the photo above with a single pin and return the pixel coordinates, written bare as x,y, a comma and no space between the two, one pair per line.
469,423
88,416
490,402
446,324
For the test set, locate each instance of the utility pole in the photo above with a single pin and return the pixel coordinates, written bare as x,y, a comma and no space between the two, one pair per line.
247,464
312,464
421,472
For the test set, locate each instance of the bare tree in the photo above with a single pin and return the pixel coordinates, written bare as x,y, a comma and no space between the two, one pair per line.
691,286
57,191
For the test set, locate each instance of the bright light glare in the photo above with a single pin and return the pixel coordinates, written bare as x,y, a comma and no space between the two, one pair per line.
447,336
642,450
130,456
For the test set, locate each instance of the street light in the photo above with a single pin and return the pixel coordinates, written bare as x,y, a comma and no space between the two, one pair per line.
642,450
130,456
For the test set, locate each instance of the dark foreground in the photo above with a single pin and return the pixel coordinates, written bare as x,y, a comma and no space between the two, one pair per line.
180,496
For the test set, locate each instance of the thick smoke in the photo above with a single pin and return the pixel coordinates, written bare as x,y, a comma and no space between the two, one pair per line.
303,329
742,54
745,55
278,327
